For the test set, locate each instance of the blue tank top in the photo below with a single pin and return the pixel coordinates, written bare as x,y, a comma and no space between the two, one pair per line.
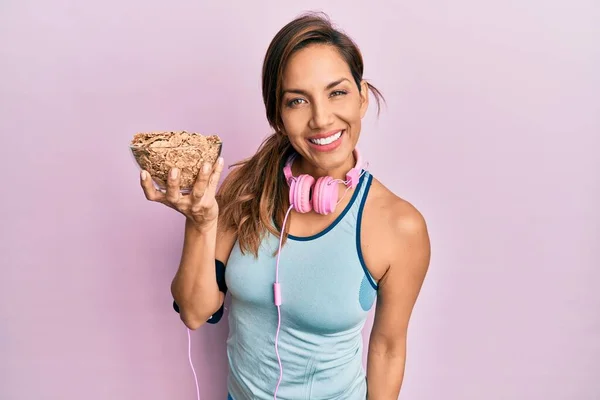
327,293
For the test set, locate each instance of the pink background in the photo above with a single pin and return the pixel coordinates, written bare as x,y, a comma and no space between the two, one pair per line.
492,130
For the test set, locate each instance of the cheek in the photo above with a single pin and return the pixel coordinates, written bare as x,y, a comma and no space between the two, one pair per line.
349,112
294,121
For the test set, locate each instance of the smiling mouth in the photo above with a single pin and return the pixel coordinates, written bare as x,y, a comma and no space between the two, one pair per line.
327,140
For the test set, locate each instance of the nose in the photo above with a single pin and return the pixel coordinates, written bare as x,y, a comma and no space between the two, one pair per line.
322,115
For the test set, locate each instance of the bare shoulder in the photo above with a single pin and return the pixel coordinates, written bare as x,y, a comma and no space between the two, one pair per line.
395,230
398,216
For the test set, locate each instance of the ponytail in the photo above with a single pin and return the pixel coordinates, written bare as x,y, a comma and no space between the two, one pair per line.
253,195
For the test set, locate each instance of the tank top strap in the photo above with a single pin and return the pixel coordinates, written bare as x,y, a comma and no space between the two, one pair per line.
363,190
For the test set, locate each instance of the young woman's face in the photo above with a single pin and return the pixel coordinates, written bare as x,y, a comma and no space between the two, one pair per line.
322,108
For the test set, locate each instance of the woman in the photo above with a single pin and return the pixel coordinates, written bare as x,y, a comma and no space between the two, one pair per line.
336,255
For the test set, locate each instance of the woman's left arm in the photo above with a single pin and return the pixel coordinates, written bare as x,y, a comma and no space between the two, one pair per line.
398,292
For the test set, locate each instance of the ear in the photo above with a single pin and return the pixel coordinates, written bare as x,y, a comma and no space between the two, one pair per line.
364,98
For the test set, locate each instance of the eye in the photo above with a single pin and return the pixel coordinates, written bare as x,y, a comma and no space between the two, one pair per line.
338,93
294,102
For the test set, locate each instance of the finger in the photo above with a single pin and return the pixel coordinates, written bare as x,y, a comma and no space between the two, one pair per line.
213,182
149,190
173,194
201,182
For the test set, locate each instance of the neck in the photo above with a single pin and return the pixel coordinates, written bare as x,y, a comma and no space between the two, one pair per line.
305,167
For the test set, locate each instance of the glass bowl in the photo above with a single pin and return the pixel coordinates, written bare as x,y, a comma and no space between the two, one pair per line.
189,159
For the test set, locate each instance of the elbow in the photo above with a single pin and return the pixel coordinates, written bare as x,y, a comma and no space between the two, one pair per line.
389,347
194,318
191,323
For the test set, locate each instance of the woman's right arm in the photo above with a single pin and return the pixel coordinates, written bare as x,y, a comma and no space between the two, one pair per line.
194,287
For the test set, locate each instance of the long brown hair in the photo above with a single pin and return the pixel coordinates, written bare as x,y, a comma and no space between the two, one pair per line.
253,196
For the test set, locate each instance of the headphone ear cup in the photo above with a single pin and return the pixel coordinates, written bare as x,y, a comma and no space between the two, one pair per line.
300,193
325,195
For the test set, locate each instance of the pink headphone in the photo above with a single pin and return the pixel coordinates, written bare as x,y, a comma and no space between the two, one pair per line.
322,196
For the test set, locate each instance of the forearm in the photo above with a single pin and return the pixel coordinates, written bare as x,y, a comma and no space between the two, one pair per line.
385,373
194,286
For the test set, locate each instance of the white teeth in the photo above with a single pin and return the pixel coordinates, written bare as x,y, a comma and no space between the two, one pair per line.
327,140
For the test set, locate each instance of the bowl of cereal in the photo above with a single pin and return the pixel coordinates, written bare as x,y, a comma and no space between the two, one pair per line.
159,152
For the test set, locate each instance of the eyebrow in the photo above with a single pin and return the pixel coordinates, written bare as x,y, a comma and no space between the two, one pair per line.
329,86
